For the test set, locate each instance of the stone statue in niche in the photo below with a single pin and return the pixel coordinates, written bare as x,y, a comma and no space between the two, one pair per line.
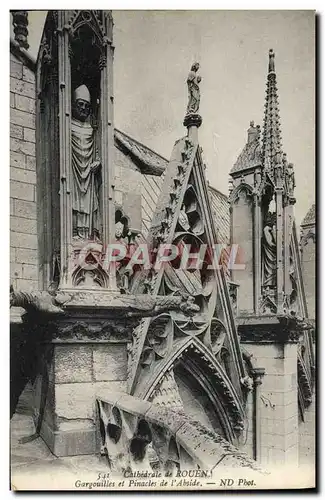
86,168
269,251
193,81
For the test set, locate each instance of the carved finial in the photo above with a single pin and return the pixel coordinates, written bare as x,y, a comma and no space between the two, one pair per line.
271,61
20,23
193,80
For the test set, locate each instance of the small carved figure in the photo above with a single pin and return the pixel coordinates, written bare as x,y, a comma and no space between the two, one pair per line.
86,166
183,219
119,230
269,252
193,81
291,183
247,383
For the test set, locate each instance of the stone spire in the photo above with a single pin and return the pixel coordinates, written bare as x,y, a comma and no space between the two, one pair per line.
271,146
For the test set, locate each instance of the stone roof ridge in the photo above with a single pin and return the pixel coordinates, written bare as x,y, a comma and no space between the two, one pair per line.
310,217
149,161
217,191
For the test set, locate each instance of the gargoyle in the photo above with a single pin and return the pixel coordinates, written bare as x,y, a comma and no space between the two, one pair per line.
126,305
146,305
39,301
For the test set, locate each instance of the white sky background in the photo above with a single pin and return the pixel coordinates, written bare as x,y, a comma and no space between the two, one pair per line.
154,52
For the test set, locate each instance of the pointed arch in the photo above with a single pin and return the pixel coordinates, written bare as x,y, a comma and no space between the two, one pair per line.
242,188
201,365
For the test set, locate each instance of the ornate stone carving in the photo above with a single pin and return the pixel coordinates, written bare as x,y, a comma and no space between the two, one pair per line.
123,305
40,302
288,327
20,23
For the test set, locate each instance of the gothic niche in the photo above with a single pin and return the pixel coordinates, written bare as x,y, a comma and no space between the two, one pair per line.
48,154
75,145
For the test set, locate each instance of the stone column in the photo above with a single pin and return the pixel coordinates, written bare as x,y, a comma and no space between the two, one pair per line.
257,374
277,408
272,341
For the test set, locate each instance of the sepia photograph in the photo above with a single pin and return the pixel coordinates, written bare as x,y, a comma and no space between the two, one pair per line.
162,250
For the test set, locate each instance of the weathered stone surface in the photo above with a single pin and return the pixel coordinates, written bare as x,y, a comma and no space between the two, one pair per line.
16,69
31,163
49,416
29,134
73,363
24,103
12,100
16,131
110,362
22,146
17,159
16,270
25,255
26,285
21,240
77,400
22,190
22,88
127,180
132,404
75,442
280,382
67,424
28,75
30,272
22,175
22,118
109,387
161,415
26,209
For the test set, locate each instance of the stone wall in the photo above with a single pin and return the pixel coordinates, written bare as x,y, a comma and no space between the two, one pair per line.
75,374
307,436
23,231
